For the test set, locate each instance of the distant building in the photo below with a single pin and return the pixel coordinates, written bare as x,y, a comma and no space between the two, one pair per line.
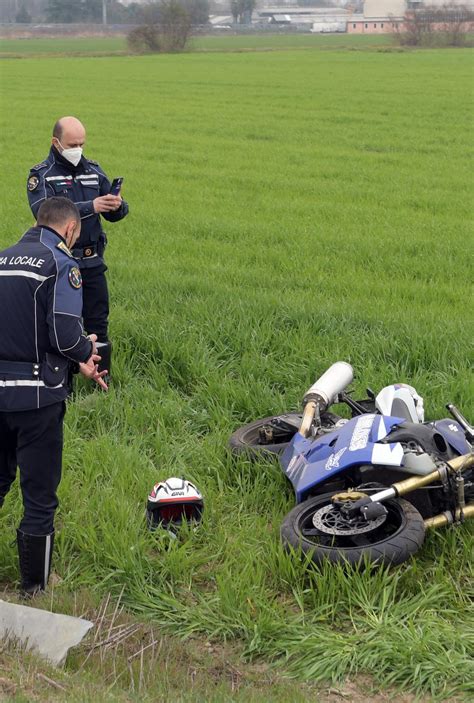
369,17
387,16
384,8
316,19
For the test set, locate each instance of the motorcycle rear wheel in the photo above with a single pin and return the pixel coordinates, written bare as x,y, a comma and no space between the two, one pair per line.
394,541
246,440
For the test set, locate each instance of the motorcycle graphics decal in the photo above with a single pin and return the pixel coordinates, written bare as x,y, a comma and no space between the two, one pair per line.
308,462
387,454
382,430
333,461
360,436
295,466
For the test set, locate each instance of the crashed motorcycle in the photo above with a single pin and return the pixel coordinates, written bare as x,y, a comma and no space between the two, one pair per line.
367,488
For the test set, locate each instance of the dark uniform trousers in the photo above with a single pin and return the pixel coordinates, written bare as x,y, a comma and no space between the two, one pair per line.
95,301
33,441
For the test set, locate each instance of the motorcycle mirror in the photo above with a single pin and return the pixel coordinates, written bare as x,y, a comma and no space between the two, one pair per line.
468,429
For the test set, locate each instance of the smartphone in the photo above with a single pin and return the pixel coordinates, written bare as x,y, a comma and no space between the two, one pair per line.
116,186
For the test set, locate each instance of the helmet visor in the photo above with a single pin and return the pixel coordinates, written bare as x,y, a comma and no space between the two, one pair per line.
174,513
177,512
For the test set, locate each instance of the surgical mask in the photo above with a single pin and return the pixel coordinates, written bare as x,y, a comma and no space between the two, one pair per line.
72,155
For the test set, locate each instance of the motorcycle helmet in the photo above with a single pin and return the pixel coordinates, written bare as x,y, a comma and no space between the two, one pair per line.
401,400
172,502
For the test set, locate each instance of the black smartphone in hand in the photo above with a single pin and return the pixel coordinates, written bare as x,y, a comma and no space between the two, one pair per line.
116,186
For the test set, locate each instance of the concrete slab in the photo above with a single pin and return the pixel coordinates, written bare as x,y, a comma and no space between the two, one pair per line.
50,635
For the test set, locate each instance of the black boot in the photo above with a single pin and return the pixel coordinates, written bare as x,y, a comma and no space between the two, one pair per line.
104,349
35,552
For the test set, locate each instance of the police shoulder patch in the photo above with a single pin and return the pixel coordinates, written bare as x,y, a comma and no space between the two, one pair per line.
64,248
75,278
39,166
33,182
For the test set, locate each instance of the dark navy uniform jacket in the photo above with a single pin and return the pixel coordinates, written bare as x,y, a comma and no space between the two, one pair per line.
81,184
41,333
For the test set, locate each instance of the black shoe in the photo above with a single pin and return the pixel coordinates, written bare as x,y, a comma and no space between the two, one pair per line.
35,552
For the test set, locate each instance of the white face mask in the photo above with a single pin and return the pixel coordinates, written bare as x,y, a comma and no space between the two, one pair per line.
72,155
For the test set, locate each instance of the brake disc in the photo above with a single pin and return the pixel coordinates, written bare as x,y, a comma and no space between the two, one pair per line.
331,521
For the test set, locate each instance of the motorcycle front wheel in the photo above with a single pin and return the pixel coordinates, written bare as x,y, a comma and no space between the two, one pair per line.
315,527
253,442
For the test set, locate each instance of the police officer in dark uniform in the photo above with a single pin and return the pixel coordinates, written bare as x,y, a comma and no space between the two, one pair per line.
41,340
66,172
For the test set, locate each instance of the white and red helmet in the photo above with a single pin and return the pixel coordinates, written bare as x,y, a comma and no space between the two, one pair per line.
172,502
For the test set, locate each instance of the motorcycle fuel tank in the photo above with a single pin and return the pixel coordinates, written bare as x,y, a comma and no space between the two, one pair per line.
307,462
453,433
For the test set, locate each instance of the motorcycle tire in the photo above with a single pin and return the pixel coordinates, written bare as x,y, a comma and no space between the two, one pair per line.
393,542
246,440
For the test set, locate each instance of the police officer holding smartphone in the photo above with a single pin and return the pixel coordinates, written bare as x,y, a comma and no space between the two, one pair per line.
41,343
67,172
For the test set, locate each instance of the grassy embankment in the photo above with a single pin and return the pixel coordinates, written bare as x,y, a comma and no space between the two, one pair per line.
287,210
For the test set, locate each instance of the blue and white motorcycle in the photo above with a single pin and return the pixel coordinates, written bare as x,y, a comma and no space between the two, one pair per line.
349,476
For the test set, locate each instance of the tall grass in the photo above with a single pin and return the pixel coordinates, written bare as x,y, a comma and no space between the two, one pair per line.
287,210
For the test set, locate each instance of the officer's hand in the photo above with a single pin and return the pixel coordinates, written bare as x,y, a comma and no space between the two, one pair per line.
89,369
107,203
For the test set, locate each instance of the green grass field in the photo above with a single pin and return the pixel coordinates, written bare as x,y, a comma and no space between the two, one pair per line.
98,46
288,209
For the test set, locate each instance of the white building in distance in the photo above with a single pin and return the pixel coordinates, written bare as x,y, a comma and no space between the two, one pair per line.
397,8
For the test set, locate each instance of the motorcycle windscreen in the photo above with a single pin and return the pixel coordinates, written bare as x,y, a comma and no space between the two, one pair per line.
308,463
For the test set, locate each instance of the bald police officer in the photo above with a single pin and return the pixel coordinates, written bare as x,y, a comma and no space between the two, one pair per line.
41,340
67,172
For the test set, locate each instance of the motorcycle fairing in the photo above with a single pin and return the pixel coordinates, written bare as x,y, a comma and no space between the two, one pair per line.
307,462
453,433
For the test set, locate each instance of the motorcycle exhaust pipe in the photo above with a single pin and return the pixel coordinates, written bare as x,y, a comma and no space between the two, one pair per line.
446,518
308,417
324,392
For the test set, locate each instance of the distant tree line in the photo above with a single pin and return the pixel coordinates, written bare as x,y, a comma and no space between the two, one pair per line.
435,25
91,11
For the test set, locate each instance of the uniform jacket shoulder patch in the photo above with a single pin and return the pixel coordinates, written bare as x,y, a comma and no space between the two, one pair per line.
64,249
39,166
75,278
33,182
94,163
